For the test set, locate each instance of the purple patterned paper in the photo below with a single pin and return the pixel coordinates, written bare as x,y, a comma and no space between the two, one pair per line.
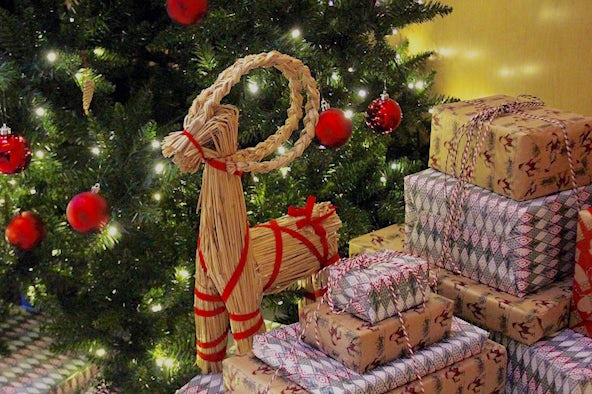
204,384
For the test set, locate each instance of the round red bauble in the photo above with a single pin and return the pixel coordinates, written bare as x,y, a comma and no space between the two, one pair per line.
87,211
333,128
383,115
25,231
187,12
15,154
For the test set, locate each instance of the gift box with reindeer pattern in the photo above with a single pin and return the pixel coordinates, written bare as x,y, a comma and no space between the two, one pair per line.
361,346
522,157
526,319
391,237
482,373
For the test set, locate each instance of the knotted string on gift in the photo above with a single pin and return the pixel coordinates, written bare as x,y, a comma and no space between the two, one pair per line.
476,130
339,270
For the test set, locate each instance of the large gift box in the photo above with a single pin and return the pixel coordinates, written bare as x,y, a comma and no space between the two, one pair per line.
522,157
391,237
30,367
374,286
319,373
516,247
483,373
525,319
581,309
561,364
361,346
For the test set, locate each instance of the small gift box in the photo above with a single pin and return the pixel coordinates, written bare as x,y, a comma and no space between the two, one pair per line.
523,156
525,319
375,286
581,307
482,373
391,237
360,346
561,364
319,373
516,247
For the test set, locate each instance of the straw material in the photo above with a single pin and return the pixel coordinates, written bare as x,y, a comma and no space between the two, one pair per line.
236,264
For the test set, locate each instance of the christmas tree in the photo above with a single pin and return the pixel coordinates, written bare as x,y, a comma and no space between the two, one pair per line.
94,86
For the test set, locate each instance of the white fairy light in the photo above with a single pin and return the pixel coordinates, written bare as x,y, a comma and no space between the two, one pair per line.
113,231
40,154
281,150
156,308
295,33
253,87
159,168
40,111
157,196
155,144
348,113
51,56
410,85
284,171
95,151
383,179
362,93
101,352
419,84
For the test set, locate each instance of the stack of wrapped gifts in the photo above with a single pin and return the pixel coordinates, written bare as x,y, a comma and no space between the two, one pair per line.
380,330
497,214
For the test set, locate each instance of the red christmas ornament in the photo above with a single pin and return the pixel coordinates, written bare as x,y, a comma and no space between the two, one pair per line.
25,231
333,128
88,211
15,154
187,12
383,115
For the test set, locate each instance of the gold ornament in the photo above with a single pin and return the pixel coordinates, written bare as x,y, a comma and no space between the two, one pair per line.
88,89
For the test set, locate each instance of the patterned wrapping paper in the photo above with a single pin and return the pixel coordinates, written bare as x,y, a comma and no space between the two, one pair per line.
521,158
559,365
319,373
361,347
516,247
580,319
204,384
363,292
526,319
391,237
31,368
483,373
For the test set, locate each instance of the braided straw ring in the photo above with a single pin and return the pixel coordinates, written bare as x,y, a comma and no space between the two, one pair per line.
206,106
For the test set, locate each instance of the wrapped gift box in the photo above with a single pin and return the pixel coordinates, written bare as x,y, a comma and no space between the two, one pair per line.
367,291
391,237
319,373
204,384
361,346
521,158
561,364
581,308
31,368
516,247
482,373
526,319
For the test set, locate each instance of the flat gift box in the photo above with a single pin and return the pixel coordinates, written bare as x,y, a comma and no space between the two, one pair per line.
319,373
580,319
363,285
521,158
561,364
391,237
30,367
516,247
204,384
483,373
361,347
525,319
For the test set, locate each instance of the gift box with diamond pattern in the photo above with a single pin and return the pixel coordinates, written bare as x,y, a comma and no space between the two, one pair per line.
361,346
561,364
580,319
391,237
31,368
516,247
482,373
204,384
367,292
522,157
319,373
525,319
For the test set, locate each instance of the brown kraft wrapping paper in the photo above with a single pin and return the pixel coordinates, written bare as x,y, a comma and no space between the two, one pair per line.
391,237
361,346
521,158
483,373
525,319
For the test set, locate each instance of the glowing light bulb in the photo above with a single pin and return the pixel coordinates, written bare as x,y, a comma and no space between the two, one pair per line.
395,31
33,191
419,84
156,308
12,182
395,165
99,51
335,76
40,154
182,273
431,110
159,168
40,111
295,33
51,56
351,69
157,196
168,362
253,87
362,93
155,144
383,179
284,171
348,113
113,231
71,20
95,151
410,85
255,179
281,150
101,352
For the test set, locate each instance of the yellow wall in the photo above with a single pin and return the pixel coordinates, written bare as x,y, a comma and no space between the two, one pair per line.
538,47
